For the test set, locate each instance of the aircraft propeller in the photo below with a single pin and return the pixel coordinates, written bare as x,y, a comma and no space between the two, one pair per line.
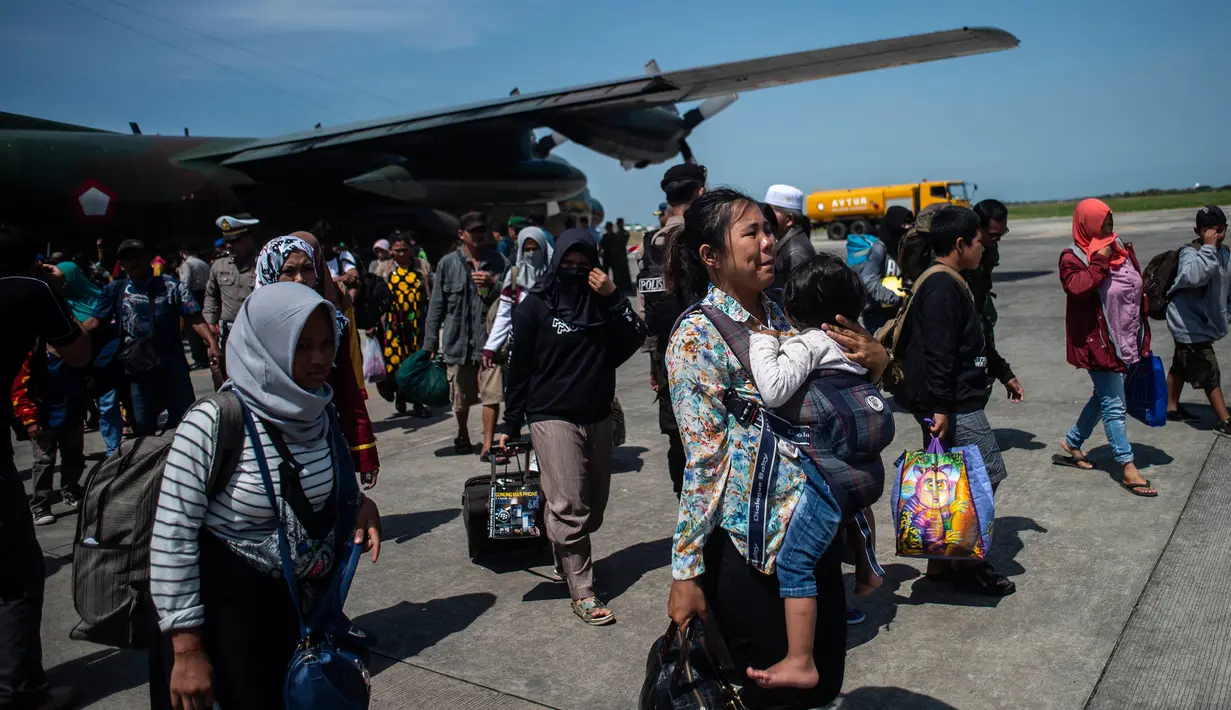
695,117
707,110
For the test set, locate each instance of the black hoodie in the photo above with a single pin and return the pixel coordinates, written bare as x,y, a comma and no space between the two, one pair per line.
566,344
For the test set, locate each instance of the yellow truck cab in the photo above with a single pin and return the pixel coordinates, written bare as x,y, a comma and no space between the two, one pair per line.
859,210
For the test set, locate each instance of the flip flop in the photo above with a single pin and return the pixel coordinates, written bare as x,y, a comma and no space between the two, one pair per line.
1135,489
586,610
1073,462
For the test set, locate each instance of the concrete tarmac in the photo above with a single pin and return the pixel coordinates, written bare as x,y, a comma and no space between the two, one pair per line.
500,634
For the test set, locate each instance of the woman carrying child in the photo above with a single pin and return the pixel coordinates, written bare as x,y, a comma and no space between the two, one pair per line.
722,563
824,398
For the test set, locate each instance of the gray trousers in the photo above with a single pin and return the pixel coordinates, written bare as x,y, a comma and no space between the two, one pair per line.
69,441
575,469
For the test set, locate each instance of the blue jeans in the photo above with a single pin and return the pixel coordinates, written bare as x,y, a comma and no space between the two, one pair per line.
110,421
168,389
1107,403
813,526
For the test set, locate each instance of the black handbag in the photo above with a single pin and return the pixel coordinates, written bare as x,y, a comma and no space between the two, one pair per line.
684,672
138,356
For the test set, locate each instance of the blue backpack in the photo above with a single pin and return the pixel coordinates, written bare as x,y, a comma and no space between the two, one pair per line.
857,248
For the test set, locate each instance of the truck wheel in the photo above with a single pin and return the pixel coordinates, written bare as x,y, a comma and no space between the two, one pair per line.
836,230
860,226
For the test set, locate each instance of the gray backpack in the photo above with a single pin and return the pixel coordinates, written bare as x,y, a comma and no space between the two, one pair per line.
111,552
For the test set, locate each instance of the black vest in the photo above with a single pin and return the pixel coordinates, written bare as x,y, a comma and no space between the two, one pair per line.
661,308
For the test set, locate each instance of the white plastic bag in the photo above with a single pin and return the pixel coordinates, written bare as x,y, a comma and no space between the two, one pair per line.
373,361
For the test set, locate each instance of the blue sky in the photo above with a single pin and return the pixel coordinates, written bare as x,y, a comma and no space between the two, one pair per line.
1101,96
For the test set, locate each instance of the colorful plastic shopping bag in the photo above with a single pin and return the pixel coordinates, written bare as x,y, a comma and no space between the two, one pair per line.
942,504
1145,388
373,361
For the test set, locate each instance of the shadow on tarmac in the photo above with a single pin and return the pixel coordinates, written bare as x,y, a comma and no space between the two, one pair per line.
53,564
881,605
881,698
1017,439
1011,276
619,571
614,574
627,459
447,452
102,674
409,422
404,527
407,628
1206,418
1144,455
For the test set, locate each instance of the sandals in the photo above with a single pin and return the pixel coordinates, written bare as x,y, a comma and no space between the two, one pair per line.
588,610
1074,462
1136,489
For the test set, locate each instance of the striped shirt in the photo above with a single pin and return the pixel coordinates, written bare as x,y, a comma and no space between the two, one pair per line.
239,516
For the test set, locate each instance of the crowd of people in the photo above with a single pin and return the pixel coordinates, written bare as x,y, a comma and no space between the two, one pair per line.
766,382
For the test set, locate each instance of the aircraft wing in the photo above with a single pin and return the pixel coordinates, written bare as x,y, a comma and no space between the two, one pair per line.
527,111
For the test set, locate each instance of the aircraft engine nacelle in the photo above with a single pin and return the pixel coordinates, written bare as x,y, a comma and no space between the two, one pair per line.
514,183
637,137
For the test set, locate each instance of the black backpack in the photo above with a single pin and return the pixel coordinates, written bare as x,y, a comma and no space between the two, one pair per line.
372,301
111,552
1159,277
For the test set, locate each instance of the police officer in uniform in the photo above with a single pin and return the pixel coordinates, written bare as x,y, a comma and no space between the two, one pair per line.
231,280
682,184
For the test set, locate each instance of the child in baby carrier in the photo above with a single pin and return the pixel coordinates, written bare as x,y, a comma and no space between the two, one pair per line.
816,293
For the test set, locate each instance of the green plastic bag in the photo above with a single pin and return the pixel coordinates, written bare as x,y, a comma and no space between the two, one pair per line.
423,380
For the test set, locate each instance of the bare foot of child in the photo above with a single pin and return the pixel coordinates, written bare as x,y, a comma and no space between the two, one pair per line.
787,673
866,582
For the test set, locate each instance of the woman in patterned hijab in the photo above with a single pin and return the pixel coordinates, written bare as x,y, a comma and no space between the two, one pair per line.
286,258
295,258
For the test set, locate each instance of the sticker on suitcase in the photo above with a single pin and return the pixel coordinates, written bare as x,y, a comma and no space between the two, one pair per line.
515,511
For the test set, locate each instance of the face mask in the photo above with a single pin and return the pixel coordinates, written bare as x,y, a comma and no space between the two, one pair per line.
572,274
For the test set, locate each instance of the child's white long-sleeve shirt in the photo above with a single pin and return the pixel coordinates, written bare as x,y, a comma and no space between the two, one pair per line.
780,365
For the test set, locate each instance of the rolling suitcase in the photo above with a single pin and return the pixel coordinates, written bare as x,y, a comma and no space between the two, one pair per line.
516,519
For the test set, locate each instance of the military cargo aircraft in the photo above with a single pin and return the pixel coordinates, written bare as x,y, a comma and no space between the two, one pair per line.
75,184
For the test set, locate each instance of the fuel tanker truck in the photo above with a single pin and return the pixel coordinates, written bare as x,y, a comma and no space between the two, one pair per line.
859,210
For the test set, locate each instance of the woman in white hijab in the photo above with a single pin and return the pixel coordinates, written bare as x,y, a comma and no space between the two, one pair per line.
533,257
216,575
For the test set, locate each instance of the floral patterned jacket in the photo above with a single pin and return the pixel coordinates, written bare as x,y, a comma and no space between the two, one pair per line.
721,451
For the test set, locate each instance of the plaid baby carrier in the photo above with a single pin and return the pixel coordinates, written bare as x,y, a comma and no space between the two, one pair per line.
838,419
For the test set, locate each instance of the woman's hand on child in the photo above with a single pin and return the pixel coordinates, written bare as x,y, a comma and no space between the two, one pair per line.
859,345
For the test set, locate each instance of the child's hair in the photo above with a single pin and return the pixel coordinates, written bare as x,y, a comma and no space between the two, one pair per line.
821,289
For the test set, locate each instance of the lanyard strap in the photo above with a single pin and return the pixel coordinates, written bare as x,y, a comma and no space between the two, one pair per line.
764,475
340,582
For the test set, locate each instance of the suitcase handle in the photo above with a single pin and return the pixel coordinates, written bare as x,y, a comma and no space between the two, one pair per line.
512,452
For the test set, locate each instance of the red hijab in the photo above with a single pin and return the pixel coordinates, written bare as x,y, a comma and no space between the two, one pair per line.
1088,221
